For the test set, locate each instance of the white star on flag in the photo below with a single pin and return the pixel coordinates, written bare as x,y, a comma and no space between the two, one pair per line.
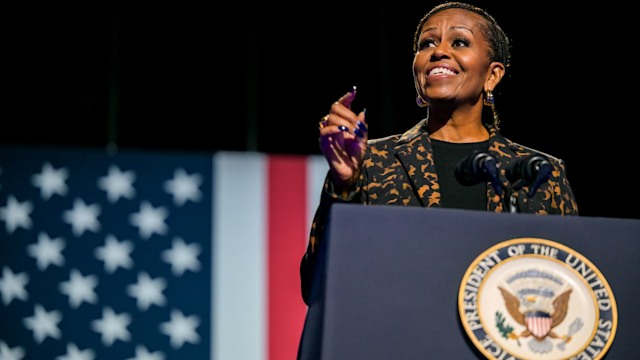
12,286
74,353
51,181
143,354
118,184
47,251
184,187
115,254
181,329
112,326
16,214
44,324
82,217
80,288
182,257
7,353
148,291
150,220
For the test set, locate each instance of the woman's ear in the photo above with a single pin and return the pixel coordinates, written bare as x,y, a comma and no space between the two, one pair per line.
495,75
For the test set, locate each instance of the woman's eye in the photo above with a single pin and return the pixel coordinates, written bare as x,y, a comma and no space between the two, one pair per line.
460,43
426,43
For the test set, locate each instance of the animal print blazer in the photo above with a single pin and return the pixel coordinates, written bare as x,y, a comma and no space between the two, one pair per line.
399,170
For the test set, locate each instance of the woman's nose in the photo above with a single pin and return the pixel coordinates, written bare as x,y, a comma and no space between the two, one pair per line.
441,50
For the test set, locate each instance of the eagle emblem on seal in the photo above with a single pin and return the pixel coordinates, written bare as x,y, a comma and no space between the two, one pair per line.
539,301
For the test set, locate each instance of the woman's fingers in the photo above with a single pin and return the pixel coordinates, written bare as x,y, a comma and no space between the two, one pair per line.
348,98
340,118
342,107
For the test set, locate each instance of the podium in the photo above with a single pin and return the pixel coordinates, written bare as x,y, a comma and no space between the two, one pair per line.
389,283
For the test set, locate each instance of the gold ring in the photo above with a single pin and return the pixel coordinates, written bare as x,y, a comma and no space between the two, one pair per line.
323,121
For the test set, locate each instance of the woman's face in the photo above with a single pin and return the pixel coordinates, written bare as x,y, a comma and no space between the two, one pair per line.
452,62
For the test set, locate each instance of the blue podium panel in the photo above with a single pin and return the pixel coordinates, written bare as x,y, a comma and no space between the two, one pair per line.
389,285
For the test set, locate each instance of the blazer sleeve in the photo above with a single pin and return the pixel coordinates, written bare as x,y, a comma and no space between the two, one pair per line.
319,224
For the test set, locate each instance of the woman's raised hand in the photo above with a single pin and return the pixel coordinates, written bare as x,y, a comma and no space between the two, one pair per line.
343,140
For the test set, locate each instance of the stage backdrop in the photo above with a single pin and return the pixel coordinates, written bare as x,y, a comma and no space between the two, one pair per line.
153,255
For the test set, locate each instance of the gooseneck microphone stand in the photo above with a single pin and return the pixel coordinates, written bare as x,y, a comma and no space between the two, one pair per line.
531,171
480,166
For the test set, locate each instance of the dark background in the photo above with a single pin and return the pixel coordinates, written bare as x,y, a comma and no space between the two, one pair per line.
257,76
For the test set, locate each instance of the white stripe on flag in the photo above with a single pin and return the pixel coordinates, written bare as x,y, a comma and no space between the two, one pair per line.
317,168
239,269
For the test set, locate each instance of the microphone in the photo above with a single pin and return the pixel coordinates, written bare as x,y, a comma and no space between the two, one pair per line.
477,167
533,170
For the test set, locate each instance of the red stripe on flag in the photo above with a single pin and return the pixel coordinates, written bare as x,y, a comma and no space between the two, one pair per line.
287,211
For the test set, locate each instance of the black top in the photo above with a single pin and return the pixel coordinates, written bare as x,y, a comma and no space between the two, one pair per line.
446,157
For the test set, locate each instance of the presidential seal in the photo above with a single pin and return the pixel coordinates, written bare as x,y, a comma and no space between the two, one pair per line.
530,298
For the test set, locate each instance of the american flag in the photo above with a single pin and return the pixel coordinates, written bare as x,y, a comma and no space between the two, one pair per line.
148,255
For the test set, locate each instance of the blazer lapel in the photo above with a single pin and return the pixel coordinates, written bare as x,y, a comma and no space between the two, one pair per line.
413,151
